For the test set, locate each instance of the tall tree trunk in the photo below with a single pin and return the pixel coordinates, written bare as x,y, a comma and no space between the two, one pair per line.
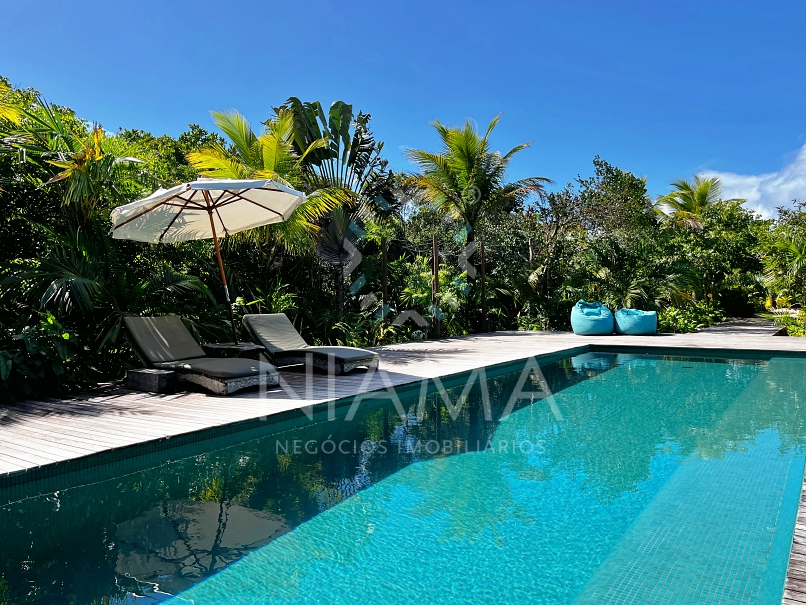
435,287
484,324
384,296
471,282
340,291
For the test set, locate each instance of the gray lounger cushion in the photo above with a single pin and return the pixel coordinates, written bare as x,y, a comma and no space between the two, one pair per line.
162,338
219,367
345,353
276,332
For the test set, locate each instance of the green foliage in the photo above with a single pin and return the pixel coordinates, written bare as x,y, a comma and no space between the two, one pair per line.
165,158
724,257
274,300
370,329
631,274
795,324
689,318
614,201
43,358
785,259
415,278
91,170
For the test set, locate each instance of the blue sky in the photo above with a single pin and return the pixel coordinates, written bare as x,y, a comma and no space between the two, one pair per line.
663,89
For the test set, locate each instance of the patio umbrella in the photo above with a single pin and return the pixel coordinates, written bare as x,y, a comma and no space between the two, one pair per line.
204,209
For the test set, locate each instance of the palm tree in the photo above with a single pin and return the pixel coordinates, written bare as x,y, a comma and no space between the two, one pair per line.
349,171
349,166
466,179
794,248
688,200
333,157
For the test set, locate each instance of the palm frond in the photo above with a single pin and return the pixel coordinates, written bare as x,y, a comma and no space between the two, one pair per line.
215,161
8,109
238,131
66,281
688,200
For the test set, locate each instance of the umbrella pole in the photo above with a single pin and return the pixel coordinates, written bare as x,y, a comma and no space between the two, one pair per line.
226,289
223,276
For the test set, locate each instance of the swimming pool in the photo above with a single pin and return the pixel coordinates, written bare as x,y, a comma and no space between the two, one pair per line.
616,478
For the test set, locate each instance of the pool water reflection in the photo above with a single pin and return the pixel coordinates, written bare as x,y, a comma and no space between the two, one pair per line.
452,504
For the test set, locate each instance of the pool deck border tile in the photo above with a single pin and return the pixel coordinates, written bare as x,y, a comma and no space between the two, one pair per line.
39,439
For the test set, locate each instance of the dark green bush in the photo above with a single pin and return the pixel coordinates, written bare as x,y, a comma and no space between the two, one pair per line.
44,359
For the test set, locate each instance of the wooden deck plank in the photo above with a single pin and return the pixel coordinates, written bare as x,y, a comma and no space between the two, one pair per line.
792,597
33,430
32,459
12,462
47,447
144,410
44,427
133,415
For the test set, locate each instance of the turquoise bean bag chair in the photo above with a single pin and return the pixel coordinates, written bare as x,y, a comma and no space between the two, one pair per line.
636,323
591,319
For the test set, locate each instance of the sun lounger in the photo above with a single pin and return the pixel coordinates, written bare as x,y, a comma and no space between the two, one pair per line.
286,347
165,343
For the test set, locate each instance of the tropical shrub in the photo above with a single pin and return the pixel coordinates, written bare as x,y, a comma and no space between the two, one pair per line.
370,329
795,324
44,358
689,318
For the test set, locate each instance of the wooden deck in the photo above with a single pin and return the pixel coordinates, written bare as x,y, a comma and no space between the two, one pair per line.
37,435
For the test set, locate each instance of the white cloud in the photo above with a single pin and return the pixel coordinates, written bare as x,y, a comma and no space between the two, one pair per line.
765,192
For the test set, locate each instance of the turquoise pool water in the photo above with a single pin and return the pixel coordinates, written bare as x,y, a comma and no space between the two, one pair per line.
615,479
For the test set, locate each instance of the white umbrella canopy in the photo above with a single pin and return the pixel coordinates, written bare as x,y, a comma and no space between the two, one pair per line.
205,209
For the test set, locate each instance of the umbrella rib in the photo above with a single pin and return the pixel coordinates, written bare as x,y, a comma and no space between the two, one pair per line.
181,208
154,207
198,206
218,214
229,200
223,226
240,197
173,220
186,202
